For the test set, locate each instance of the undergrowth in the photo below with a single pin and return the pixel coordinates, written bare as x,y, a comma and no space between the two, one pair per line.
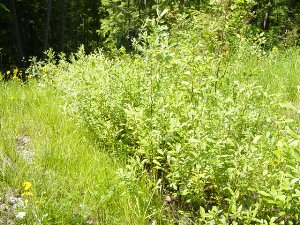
204,117
222,146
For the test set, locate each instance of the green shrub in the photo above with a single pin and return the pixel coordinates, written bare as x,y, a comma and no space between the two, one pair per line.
225,151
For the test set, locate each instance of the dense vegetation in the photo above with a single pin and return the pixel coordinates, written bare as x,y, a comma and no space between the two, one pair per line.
191,119
30,28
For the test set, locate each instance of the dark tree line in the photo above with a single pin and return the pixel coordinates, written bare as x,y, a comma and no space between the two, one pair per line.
28,28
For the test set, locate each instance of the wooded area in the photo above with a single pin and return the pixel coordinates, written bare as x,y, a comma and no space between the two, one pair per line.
29,28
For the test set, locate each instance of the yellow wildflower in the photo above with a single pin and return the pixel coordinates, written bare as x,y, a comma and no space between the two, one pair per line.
16,78
16,71
26,185
44,69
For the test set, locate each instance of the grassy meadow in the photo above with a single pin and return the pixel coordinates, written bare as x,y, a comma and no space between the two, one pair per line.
56,167
173,134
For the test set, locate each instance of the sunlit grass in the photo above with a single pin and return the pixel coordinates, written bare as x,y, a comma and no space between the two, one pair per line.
73,182
278,71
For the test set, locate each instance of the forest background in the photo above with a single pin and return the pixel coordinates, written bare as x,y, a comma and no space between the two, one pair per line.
30,28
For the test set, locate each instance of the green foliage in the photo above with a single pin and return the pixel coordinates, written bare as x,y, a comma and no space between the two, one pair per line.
276,19
124,19
121,24
222,149
204,116
115,24
66,167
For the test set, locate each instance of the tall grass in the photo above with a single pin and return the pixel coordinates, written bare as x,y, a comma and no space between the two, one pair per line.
278,71
73,181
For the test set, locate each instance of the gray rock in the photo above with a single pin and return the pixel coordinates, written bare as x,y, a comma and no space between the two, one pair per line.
24,148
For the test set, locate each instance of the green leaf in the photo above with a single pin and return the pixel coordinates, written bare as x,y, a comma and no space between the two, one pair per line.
164,12
288,105
156,162
263,193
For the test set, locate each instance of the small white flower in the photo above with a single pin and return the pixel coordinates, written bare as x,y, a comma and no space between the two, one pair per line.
18,203
298,110
12,200
20,215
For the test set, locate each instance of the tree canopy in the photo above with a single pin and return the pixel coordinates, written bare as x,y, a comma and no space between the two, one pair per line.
65,25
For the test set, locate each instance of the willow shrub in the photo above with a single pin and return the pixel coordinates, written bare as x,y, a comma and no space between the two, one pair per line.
224,151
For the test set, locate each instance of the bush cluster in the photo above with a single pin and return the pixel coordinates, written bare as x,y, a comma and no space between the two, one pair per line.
223,151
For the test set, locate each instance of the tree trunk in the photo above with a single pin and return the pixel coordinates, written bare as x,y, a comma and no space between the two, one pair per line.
48,16
62,25
16,30
266,21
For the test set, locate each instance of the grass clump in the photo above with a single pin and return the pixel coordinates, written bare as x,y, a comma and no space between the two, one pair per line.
69,179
